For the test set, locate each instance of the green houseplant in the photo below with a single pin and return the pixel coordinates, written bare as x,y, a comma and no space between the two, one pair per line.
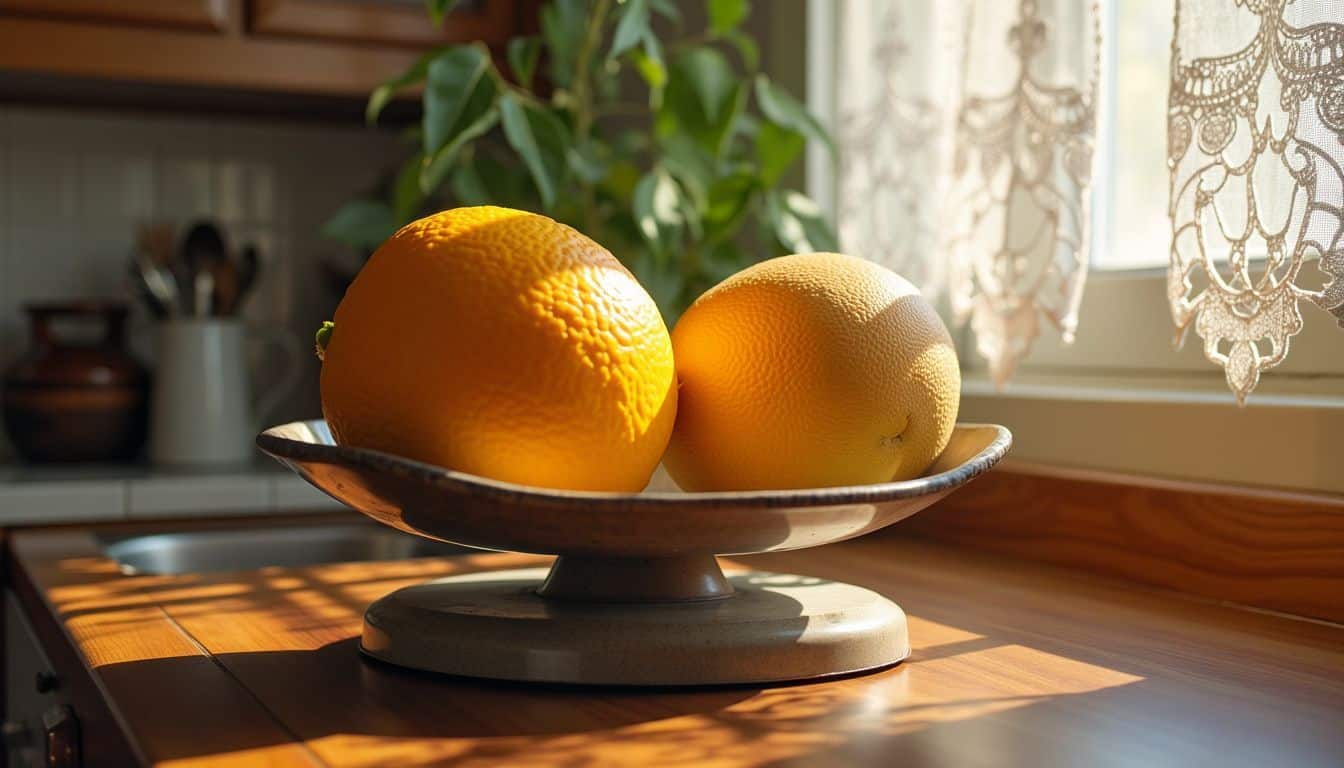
666,146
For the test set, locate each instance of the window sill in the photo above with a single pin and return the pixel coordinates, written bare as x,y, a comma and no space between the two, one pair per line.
1165,427
1128,387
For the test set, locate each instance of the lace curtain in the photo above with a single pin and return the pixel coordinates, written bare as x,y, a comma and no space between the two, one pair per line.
969,168
1255,143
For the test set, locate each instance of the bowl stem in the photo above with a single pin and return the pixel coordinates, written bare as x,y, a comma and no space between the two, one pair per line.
635,579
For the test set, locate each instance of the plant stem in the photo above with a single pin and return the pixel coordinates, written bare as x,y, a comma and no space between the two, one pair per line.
583,101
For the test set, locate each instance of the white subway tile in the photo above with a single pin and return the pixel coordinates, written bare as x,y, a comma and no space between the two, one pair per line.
44,263
184,190
229,194
264,204
43,186
76,185
117,187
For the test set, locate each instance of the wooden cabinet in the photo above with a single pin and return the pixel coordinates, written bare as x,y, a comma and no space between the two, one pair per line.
381,22
310,47
184,14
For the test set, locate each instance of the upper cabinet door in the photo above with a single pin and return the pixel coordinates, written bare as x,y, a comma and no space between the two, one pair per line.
209,15
383,22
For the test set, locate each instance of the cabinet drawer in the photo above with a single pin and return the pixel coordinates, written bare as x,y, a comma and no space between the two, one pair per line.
382,22
186,14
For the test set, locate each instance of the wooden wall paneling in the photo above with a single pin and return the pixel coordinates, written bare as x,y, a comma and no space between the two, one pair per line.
1266,549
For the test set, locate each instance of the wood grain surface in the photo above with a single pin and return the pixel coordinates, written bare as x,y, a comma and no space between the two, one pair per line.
1277,551
1013,665
149,55
381,23
189,14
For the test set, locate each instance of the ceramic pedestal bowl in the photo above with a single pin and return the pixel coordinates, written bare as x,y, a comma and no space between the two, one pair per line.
635,596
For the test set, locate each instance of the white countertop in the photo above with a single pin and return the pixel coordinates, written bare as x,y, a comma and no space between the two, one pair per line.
36,495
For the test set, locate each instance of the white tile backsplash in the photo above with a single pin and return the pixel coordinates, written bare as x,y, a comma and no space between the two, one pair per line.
76,184
44,185
185,189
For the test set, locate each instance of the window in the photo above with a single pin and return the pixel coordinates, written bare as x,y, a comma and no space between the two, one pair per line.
1131,229
1121,397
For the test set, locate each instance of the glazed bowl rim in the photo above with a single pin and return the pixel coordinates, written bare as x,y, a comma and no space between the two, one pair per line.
291,451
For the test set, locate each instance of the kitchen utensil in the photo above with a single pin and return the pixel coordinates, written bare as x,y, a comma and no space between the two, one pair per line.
71,400
224,299
202,248
249,263
636,596
151,270
156,242
202,411
143,280
204,288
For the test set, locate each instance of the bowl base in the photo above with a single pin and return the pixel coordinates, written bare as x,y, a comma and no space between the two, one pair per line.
772,628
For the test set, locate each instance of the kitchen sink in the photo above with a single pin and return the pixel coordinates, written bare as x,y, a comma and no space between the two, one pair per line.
240,549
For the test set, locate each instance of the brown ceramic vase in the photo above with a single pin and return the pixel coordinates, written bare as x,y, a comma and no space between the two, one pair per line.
72,400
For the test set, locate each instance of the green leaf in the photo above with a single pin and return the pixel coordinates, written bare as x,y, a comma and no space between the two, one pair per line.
585,163
361,224
523,55
725,15
703,100
776,149
438,9
630,142
657,209
746,48
667,9
467,186
451,87
540,139
798,223
690,214
690,165
710,78
621,180
563,23
632,27
784,110
384,93
481,179
406,195
729,201
434,169
649,64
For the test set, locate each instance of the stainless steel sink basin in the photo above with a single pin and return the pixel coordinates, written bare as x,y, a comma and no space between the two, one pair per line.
251,548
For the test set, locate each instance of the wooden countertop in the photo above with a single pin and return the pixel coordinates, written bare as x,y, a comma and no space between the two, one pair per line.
1013,665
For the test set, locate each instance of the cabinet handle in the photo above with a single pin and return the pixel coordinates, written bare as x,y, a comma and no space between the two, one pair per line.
46,682
62,728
